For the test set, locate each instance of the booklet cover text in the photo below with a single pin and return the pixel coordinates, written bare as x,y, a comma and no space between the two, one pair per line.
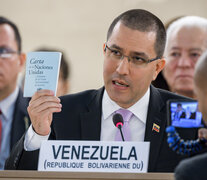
42,72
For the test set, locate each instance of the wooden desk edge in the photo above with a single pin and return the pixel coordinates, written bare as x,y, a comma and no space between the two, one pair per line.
83,175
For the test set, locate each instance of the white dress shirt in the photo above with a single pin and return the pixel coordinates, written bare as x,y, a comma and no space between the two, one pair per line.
108,130
136,123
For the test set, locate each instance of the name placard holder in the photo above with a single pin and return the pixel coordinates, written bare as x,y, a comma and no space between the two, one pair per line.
94,156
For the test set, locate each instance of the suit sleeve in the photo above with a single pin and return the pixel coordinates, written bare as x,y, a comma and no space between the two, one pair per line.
20,159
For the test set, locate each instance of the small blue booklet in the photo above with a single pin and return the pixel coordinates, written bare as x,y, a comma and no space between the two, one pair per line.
42,72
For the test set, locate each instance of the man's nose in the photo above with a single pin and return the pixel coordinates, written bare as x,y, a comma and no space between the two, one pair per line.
123,66
184,61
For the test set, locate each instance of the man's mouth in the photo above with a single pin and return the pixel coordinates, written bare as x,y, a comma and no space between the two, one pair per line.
120,83
184,76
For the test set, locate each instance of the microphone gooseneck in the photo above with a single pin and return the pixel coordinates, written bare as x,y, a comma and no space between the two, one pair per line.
118,122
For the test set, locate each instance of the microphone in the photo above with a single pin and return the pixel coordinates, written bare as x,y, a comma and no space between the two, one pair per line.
182,147
118,122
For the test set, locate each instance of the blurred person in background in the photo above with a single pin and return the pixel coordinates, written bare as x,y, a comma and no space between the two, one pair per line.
195,167
186,41
14,119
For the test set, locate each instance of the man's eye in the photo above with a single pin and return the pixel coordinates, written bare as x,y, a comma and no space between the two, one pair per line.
137,59
175,54
116,53
195,55
4,50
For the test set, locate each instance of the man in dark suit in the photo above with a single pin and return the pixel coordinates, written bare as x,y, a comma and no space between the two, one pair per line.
195,168
132,59
14,118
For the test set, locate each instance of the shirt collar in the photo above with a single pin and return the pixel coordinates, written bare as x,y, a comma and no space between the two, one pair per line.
139,109
7,104
108,106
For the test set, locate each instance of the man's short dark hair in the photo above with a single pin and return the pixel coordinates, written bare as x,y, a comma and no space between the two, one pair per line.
144,21
4,20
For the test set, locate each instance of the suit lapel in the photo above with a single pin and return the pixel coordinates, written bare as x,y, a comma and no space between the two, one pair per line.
91,122
155,126
20,120
91,119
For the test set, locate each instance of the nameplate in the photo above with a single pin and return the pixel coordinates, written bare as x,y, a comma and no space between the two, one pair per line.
94,156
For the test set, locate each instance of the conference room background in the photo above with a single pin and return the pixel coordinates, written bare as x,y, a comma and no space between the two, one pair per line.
79,27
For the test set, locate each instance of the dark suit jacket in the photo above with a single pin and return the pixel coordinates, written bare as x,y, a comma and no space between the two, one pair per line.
193,168
178,116
80,119
193,115
183,115
21,120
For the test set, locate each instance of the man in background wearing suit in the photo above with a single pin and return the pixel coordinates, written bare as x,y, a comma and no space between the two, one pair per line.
195,168
133,57
14,118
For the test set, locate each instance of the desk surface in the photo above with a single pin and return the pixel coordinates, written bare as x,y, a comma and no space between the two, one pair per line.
34,175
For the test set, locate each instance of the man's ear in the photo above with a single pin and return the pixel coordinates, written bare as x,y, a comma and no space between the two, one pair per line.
159,67
21,60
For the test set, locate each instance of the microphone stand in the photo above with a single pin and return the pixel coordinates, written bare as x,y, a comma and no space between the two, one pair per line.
119,126
118,122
